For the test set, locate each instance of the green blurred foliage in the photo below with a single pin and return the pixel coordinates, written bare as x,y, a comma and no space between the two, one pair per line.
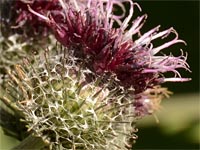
7,142
178,126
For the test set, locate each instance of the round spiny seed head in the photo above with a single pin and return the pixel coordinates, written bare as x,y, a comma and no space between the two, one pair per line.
59,104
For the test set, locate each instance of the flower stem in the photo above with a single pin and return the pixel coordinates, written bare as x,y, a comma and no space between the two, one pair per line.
31,143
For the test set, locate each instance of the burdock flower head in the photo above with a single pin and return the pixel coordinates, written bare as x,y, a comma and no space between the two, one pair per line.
86,28
88,92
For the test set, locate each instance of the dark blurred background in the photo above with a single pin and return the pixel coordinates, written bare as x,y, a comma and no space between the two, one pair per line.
183,16
179,119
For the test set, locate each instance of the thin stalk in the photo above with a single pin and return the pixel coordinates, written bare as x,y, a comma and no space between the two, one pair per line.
31,143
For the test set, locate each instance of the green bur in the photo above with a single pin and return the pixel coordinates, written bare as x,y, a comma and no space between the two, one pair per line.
61,105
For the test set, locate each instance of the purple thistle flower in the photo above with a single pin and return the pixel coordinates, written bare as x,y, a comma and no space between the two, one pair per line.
86,27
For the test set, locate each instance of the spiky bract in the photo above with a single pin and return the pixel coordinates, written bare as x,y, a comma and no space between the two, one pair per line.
58,103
